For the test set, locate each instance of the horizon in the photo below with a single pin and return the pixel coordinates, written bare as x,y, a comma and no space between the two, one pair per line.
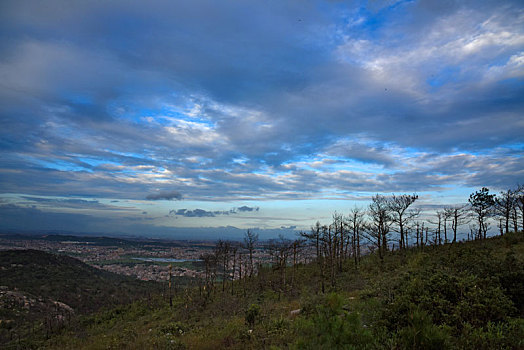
204,119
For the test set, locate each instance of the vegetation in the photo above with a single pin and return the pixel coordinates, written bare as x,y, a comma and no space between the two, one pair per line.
455,296
43,292
340,286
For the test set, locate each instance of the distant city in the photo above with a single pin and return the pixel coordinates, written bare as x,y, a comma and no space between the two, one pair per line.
145,260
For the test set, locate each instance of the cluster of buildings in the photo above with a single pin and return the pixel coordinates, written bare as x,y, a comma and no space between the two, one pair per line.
143,261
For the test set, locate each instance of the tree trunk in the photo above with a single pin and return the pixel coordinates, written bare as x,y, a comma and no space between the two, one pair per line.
446,231
233,276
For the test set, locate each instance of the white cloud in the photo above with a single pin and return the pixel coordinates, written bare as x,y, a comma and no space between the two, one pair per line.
457,40
513,68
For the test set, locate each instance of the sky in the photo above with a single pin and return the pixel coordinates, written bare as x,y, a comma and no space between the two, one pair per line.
200,119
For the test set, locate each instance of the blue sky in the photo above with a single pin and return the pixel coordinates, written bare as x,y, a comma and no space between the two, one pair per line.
204,118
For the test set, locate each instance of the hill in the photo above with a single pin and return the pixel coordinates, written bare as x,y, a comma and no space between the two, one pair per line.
455,296
94,240
41,292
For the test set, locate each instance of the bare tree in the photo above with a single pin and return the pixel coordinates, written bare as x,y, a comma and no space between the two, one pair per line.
280,250
473,232
458,216
446,217
420,228
356,225
440,215
379,225
515,217
250,240
519,201
222,252
501,226
297,246
322,253
339,237
234,254
400,216
313,238
504,205
328,240
210,266
240,269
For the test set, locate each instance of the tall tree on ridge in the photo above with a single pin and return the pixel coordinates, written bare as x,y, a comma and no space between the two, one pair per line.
482,203
504,205
458,216
398,207
519,199
356,225
380,220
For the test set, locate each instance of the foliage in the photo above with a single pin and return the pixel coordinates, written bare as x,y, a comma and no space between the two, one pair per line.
494,335
332,327
252,314
482,203
422,333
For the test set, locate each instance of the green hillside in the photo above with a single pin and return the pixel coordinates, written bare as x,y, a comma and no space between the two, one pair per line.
42,292
455,296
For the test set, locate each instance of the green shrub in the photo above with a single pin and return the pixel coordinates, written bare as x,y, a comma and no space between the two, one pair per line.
502,335
252,314
450,299
174,328
481,303
421,333
332,327
278,326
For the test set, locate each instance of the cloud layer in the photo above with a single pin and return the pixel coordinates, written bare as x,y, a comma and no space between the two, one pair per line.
228,101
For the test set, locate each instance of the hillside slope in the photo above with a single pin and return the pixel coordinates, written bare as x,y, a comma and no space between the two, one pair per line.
460,296
42,291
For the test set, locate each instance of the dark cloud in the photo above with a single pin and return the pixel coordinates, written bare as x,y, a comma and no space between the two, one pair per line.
206,213
247,209
195,213
172,195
